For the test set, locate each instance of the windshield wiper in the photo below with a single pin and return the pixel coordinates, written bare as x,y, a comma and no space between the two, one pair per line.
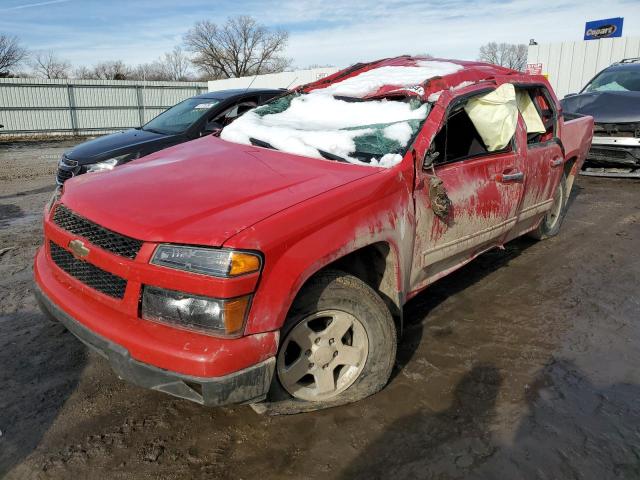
260,143
331,156
153,130
349,99
323,153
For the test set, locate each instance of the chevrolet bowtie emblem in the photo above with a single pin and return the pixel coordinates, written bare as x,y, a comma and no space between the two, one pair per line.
78,248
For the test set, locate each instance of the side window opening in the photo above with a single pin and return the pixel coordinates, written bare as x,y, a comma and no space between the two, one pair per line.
458,138
233,112
537,113
481,125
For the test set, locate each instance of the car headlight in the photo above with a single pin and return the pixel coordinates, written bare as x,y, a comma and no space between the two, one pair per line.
215,262
55,196
225,317
109,164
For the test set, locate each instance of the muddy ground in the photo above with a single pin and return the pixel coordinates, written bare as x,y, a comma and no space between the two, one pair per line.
523,364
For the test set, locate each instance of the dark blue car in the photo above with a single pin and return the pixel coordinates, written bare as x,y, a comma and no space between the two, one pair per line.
188,120
612,98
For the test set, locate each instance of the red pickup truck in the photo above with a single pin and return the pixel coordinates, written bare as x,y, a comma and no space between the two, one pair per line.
270,265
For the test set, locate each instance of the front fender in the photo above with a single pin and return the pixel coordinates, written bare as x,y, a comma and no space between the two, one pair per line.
307,237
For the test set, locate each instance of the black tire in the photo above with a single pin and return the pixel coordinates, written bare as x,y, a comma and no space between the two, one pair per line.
333,290
551,222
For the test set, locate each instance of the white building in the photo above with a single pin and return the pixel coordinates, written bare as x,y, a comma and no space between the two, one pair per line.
570,65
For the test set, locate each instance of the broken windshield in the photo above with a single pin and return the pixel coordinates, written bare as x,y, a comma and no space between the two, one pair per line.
318,124
350,119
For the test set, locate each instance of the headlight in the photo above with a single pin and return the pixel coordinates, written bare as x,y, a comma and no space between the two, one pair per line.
102,166
109,164
209,315
55,196
207,261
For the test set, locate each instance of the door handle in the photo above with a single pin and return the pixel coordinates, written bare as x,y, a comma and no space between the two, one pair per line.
510,177
556,162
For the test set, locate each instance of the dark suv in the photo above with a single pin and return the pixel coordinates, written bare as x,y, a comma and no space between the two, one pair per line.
612,98
188,120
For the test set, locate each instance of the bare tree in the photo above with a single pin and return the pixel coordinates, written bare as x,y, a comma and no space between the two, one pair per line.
83,73
49,65
148,71
177,65
112,70
504,54
11,54
238,48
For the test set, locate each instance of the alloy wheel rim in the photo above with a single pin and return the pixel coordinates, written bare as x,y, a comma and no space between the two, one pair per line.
322,355
553,215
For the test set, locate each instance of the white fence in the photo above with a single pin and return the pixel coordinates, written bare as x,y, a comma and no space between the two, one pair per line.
273,80
570,65
81,107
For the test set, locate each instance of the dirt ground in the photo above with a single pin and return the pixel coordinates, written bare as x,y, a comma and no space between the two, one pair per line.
522,365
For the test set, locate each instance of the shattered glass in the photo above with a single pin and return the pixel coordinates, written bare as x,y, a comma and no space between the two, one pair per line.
321,125
279,105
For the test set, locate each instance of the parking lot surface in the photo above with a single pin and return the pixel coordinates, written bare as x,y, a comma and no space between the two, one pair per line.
523,364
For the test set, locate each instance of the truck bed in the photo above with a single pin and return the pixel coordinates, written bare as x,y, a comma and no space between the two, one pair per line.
576,135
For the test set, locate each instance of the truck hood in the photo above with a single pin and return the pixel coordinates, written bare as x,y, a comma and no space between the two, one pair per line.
108,146
605,107
202,192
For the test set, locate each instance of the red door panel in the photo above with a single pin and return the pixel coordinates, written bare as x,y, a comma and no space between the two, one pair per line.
485,194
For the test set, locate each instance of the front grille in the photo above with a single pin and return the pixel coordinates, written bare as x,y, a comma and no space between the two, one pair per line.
607,154
89,274
629,130
100,236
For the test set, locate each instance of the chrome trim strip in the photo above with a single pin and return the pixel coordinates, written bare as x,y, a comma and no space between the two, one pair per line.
616,141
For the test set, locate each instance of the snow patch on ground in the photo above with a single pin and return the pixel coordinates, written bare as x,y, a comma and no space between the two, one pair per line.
371,81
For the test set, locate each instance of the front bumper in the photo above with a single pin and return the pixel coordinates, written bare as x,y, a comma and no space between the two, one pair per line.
249,385
613,157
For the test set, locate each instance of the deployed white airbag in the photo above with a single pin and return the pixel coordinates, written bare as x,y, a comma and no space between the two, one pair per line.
529,113
495,116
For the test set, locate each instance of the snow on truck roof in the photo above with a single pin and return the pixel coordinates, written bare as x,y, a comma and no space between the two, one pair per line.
366,114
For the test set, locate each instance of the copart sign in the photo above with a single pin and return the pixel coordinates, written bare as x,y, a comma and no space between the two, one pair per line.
607,28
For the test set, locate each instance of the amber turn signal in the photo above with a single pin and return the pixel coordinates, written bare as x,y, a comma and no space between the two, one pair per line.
235,313
242,263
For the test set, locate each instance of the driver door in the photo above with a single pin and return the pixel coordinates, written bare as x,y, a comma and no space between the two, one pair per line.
484,189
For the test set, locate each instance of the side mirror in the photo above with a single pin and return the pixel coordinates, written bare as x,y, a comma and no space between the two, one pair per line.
429,157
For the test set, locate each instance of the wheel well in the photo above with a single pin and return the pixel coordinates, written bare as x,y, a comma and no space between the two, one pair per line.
568,166
377,266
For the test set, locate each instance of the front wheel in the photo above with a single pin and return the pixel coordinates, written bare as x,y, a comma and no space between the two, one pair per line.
338,344
551,222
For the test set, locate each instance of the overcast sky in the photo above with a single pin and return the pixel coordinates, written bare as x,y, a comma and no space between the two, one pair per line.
322,31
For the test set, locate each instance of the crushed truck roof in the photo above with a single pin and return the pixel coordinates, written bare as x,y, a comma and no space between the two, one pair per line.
366,114
451,74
